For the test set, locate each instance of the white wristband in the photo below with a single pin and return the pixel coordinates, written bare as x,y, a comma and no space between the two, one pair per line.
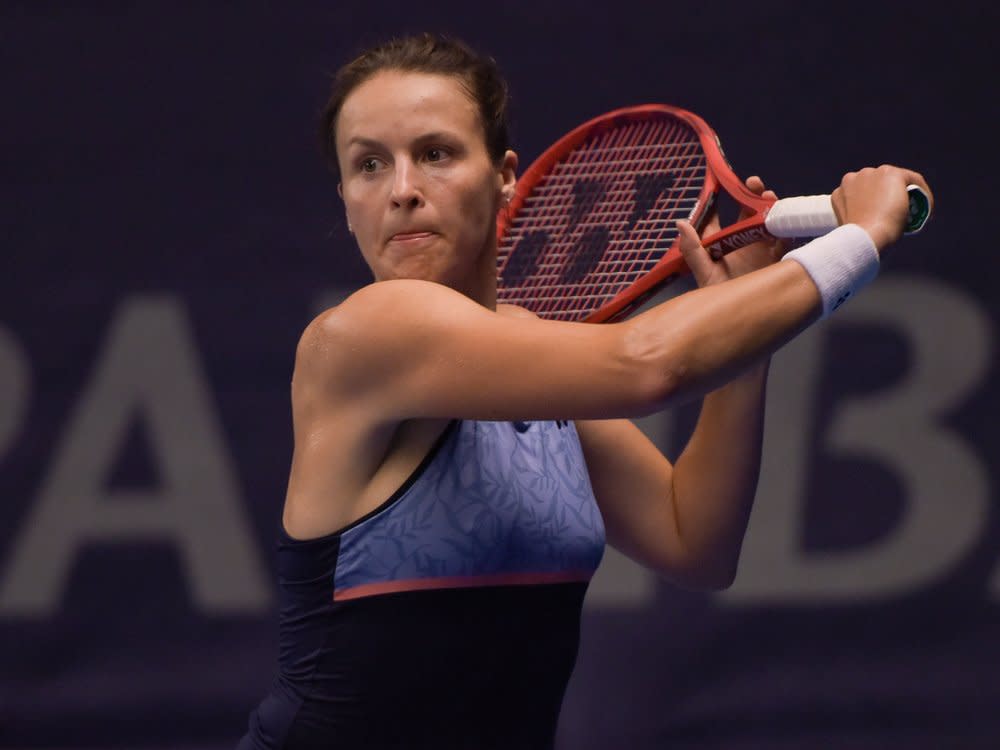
840,263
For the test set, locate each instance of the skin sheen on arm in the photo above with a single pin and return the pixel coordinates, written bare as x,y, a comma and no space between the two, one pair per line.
450,357
422,350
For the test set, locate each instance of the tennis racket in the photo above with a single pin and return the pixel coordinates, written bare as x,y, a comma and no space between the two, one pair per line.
590,233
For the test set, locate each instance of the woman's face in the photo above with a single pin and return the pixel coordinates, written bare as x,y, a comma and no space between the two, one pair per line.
418,184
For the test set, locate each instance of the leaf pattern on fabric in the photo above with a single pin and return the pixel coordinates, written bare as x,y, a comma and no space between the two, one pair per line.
493,500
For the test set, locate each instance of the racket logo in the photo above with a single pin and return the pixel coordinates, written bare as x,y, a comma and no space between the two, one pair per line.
523,261
590,246
589,199
738,239
648,189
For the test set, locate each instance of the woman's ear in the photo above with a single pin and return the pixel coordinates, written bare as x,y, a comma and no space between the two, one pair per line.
340,192
508,177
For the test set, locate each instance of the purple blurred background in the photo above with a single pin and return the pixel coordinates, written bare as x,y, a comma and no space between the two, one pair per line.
168,229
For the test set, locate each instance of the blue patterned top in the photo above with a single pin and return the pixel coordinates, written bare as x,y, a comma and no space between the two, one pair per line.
499,502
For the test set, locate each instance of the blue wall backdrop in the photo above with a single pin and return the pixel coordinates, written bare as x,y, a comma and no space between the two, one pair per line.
167,229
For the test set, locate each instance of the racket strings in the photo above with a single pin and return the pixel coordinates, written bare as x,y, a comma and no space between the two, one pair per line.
601,218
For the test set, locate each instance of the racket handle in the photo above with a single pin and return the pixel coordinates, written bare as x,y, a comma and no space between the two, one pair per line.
813,215
804,216
920,209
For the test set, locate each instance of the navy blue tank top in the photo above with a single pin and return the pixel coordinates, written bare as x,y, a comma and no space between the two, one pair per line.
448,617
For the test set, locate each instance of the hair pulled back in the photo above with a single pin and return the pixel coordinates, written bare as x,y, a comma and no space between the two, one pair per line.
424,53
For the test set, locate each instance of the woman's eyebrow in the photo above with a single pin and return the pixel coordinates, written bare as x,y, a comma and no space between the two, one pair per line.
438,135
364,142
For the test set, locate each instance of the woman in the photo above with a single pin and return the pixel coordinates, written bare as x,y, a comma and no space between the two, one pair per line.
459,464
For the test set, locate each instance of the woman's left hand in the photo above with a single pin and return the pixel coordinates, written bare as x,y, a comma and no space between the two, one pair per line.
757,255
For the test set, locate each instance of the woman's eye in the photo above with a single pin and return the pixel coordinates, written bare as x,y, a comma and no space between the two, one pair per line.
435,154
369,165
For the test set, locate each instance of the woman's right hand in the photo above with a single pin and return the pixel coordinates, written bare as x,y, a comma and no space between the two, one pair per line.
876,199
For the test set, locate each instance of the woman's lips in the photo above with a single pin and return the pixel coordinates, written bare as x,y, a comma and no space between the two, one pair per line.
410,236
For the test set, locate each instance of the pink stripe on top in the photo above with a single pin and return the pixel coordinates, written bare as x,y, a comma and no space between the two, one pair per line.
457,582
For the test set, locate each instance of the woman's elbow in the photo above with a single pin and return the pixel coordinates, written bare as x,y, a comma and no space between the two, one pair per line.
657,371
711,576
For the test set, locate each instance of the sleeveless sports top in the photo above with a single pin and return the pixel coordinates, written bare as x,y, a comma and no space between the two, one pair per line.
448,617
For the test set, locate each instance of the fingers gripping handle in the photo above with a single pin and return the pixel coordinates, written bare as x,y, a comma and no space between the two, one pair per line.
813,215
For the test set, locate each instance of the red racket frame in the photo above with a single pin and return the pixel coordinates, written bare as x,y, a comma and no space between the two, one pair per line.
718,175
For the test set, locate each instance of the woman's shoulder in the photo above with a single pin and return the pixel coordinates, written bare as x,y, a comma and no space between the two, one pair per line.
351,322
382,305
348,356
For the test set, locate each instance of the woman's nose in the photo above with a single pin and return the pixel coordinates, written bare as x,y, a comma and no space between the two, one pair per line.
405,185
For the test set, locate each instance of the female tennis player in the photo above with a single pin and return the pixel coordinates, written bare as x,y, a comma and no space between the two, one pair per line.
459,464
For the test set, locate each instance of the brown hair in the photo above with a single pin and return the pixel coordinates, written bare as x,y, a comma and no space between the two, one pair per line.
424,53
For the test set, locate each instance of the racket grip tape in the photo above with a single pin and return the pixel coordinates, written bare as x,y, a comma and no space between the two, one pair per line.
804,216
813,215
